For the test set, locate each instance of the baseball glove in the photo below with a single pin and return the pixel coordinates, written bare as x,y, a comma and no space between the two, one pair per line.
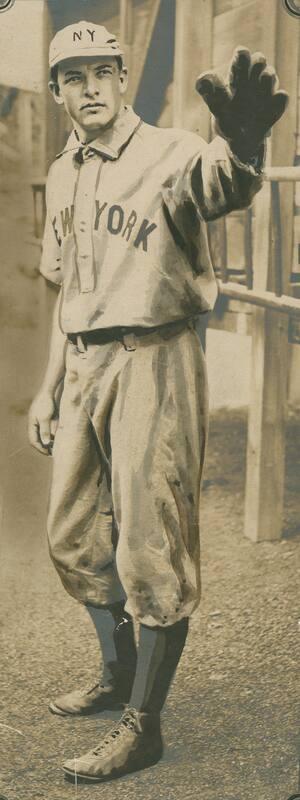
246,108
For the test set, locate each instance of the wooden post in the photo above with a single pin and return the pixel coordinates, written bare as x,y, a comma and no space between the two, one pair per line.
127,32
47,152
269,370
277,238
25,129
128,29
55,124
193,54
266,432
248,248
265,452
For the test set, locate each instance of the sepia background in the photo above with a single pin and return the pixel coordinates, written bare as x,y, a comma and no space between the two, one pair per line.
231,722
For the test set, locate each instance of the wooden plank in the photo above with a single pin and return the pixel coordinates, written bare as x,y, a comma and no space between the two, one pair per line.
223,265
262,234
277,238
127,32
248,248
282,304
235,226
284,144
39,205
269,367
220,6
193,54
50,144
242,25
283,174
126,22
44,142
25,129
266,429
144,22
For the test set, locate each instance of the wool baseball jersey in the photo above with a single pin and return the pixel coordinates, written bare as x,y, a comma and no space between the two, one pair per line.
125,232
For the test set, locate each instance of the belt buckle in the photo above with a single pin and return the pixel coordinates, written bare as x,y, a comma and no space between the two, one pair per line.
129,342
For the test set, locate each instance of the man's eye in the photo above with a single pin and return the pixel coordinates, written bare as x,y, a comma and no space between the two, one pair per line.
103,73
72,79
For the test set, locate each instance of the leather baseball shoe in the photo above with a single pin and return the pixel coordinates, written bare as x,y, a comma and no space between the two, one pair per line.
134,744
83,702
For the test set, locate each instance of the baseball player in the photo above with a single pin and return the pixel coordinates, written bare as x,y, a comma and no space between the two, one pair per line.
125,238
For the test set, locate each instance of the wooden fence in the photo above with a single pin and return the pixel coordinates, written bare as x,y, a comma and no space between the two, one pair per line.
266,286
274,296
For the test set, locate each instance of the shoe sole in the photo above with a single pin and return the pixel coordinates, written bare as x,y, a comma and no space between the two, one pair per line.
56,710
77,777
60,713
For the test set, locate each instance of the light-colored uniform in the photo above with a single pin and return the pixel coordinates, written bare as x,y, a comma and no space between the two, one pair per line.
126,236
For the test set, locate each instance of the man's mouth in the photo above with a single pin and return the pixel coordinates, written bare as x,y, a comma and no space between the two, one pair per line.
92,106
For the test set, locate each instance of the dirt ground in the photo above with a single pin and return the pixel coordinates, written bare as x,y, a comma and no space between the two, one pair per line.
231,725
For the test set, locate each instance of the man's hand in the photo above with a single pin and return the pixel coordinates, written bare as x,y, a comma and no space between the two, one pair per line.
42,423
248,106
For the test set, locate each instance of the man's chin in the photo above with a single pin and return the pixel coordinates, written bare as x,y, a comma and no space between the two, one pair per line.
91,125
93,122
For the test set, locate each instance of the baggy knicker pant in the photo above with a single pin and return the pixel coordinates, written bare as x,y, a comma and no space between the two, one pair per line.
128,457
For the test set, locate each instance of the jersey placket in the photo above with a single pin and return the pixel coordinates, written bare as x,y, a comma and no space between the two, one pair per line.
84,206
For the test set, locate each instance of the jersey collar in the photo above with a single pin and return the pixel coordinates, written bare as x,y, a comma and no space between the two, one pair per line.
112,141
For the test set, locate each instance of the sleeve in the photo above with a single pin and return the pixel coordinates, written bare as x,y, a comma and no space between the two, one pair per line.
50,265
216,182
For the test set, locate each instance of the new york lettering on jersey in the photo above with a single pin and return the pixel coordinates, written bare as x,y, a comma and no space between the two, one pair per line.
126,229
117,220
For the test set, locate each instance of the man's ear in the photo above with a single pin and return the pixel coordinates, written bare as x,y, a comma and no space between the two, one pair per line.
123,80
54,89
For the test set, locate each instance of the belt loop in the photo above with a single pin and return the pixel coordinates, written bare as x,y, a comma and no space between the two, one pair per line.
80,344
129,342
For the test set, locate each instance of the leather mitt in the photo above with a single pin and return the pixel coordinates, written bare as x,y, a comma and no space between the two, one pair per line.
246,108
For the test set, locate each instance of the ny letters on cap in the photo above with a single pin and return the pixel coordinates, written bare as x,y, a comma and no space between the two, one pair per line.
83,39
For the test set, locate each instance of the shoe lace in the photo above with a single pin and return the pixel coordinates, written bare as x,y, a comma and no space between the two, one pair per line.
91,689
129,721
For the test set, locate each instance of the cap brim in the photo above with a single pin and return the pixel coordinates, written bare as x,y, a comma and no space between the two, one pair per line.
85,52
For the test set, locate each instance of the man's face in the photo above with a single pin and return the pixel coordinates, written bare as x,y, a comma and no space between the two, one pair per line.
91,90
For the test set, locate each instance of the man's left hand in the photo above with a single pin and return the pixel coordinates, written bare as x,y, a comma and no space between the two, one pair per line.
248,106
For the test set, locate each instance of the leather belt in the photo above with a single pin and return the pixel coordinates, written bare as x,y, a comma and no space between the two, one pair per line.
127,335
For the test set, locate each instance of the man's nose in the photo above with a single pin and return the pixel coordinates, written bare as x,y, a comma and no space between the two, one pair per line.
91,87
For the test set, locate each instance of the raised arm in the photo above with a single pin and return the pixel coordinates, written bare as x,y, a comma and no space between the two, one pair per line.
246,108
228,173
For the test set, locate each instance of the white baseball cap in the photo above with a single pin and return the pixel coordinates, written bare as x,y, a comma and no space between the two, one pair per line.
83,39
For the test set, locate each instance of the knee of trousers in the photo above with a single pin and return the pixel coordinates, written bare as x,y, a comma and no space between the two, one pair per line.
77,548
80,538
59,540
85,562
